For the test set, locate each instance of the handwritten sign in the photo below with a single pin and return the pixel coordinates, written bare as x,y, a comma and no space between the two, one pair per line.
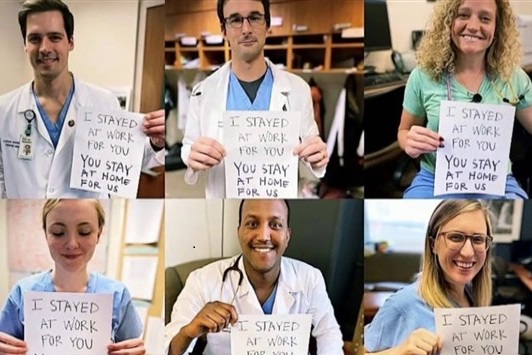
279,334
260,161
108,152
479,330
67,323
477,147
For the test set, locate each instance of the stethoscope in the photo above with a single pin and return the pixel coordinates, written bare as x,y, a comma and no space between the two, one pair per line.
235,268
477,98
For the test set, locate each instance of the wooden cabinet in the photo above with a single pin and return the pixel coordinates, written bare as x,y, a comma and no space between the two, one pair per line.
347,11
307,39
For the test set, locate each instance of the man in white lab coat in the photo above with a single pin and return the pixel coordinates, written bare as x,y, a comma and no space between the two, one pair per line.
37,121
271,284
247,82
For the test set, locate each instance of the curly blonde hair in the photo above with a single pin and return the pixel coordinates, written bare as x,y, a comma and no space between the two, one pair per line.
437,53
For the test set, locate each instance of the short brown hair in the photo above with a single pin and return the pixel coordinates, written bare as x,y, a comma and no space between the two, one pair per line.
35,6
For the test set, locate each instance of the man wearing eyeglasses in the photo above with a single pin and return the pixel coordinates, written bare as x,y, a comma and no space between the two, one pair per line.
259,281
248,82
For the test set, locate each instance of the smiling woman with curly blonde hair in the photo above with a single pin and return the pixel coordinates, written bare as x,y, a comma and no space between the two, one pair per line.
470,52
437,55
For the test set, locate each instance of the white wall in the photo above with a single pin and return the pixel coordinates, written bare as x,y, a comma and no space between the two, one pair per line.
407,16
15,69
105,37
199,229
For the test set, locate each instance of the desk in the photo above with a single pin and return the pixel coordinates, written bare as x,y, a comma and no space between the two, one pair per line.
381,90
524,275
372,302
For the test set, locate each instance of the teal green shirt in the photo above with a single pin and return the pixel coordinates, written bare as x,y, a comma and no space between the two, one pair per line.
423,96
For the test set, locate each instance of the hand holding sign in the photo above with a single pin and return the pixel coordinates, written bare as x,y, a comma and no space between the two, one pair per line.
212,318
421,341
314,151
479,331
205,153
421,140
11,345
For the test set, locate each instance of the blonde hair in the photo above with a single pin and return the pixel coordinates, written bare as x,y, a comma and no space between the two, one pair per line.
437,53
52,203
433,287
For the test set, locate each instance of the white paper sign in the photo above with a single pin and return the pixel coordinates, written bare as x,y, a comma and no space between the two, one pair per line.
271,334
260,162
108,152
479,330
67,323
477,148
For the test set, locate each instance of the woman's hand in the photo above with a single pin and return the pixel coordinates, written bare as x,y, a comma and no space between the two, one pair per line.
421,342
127,347
10,345
421,140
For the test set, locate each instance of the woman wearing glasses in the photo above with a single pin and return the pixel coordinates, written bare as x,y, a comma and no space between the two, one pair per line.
455,272
72,229
469,53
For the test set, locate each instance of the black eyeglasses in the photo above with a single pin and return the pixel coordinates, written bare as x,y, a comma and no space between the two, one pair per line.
237,21
455,240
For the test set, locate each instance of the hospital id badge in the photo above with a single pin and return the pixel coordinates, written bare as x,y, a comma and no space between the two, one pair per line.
25,148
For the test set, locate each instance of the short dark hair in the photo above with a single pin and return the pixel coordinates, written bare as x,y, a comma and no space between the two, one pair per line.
220,10
35,6
287,212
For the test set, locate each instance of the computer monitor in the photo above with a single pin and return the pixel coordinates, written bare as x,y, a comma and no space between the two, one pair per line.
376,26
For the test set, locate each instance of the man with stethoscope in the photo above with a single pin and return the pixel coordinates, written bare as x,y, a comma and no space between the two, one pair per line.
38,120
259,281
247,82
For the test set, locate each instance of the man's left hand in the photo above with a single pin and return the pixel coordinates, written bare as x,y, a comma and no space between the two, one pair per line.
154,127
313,151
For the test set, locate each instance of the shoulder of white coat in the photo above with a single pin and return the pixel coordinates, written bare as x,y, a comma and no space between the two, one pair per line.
298,269
10,100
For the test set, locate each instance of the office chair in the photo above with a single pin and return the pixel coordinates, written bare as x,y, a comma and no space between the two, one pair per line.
521,157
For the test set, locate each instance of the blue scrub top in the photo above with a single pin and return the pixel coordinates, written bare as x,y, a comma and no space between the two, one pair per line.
126,322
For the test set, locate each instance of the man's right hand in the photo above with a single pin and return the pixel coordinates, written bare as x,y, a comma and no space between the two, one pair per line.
212,318
421,140
421,342
10,345
205,153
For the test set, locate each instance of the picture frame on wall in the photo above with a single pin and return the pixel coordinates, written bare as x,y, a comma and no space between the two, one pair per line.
506,216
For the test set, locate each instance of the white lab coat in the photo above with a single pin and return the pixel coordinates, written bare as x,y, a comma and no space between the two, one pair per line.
47,175
300,290
208,103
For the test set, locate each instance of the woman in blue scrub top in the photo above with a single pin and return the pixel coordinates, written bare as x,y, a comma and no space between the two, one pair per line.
72,229
456,272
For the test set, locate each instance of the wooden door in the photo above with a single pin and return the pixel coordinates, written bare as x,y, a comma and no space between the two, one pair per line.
152,89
